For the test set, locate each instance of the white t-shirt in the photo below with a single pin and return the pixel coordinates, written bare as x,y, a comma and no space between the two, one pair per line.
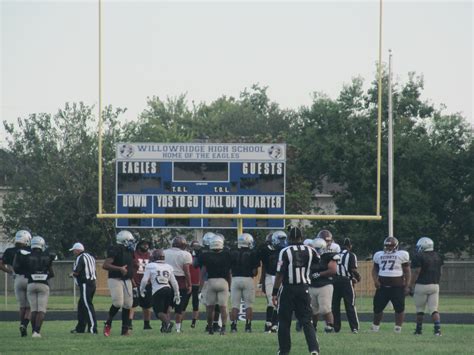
177,258
334,248
390,264
161,275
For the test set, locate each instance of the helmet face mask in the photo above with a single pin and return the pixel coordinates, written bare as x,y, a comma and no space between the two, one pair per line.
23,237
245,240
126,239
390,245
279,240
424,244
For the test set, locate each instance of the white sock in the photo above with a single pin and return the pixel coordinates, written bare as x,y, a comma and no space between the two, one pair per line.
375,328
178,326
397,329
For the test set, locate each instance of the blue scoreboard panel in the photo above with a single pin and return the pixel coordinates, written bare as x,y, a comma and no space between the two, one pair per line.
200,178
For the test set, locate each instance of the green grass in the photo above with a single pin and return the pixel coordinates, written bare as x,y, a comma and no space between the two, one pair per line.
448,304
456,339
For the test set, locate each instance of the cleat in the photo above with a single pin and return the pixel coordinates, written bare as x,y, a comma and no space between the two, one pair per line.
268,328
248,328
147,327
233,328
36,335
126,332
222,330
23,331
193,324
355,331
215,327
169,327
328,329
107,329
417,332
437,333
274,329
208,328
314,353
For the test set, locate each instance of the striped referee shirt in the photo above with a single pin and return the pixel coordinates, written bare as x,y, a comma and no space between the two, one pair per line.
294,263
84,268
346,263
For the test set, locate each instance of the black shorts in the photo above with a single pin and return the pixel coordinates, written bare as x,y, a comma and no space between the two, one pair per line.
383,295
195,296
143,302
162,300
181,307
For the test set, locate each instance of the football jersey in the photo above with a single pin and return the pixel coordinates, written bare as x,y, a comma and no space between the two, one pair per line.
9,256
217,264
269,258
160,275
121,256
243,262
323,265
334,248
177,258
430,263
390,264
140,260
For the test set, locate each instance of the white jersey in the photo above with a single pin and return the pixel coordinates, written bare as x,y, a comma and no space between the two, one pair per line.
390,264
177,258
334,248
161,275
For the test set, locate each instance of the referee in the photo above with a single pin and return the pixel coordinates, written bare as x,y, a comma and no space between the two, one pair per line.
343,288
293,275
84,274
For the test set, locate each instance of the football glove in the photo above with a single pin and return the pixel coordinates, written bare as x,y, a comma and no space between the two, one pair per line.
142,293
315,275
177,299
135,292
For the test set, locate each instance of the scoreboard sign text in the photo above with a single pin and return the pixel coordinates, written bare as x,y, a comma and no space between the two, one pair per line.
200,178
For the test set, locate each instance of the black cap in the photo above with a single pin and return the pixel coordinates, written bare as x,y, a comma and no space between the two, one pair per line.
295,234
347,242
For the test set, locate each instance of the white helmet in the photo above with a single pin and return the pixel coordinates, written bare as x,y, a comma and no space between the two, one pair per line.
245,240
308,242
23,237
206,239
320,245
217,242
38,242
424,244
125,238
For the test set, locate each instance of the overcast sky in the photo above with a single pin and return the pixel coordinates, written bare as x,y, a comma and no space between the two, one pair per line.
49,50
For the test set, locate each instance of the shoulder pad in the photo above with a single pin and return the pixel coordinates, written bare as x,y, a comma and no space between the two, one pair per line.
25,252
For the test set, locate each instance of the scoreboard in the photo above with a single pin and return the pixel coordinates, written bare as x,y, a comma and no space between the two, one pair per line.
202,178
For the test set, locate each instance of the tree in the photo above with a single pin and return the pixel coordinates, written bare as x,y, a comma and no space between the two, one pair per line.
53,191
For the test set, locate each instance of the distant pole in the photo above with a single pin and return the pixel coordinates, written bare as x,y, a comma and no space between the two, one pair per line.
379,112
6,291
390,148
99,148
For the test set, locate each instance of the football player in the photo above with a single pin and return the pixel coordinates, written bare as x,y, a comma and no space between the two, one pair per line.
119,264
161,275
216,264
244,264
268,256
195,272
38,264
22,242
391,275
321,287
141,257
181,260
426,266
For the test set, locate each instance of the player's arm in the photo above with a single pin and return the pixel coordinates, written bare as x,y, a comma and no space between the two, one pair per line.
375,275
79,267
109,266
145,279
332,269
5,267
203,275
174,284
407,277
187,276
353,268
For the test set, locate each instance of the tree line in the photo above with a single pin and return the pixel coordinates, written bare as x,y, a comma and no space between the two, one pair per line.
50,163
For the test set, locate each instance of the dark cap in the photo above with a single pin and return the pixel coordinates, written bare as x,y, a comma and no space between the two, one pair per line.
295,234
347,242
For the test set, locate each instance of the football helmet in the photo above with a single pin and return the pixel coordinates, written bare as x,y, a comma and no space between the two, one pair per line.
23,237
424,244
195,245
390,245
245,240
179,242
38,242
157,255
217,242
308,242
320,245
206,239
126,239
279,239
325,234
268,238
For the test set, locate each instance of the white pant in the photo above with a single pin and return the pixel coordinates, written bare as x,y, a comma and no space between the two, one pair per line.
321,299
269,282
426,296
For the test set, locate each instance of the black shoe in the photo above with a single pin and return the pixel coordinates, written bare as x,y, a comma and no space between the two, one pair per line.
268,328
222,330
437,333
23,331
208,328
75,331
233,328
147,327
248,328
215,327
328,329
169,327
417,332
193,323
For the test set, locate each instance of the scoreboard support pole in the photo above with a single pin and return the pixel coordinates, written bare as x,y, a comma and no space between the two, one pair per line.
240,226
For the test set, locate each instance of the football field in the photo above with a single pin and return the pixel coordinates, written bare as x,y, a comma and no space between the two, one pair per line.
456,339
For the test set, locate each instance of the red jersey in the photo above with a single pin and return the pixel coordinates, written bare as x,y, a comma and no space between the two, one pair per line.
140,260
195,271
